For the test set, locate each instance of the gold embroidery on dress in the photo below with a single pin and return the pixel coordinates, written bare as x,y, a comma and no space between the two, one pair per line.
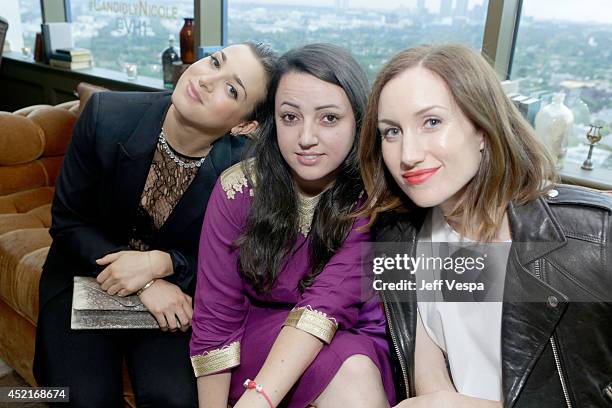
233,179
313,322
306,207
216,360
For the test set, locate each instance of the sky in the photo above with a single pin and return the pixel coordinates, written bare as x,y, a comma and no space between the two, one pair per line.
573,10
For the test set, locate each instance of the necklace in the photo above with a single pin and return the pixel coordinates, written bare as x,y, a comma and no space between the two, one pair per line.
306,209
168,150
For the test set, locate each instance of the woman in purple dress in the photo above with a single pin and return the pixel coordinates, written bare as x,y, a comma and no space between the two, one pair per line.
280,297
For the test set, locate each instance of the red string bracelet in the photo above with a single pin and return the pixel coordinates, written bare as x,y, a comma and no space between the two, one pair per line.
252,385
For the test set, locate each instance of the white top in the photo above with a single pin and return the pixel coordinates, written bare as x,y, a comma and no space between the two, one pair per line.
469,333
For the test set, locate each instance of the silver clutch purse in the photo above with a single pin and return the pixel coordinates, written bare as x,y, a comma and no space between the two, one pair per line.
93,308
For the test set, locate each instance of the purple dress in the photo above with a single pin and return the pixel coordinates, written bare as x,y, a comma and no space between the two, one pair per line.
234,328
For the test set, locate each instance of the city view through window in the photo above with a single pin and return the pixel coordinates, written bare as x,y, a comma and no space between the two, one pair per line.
30,22
562,45
371,31
566,46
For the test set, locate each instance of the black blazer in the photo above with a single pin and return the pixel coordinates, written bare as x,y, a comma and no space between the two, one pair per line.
101,182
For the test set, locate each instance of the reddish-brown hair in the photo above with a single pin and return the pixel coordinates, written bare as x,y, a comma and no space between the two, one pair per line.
514,167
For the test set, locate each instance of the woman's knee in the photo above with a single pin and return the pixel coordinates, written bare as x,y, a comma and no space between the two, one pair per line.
359,369
356,384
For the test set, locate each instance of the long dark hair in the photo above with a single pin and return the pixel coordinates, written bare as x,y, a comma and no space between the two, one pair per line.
272,225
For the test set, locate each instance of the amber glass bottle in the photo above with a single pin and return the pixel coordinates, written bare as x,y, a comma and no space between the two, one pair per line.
187,42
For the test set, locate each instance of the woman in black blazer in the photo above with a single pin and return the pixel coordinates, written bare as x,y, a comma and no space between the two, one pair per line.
128,209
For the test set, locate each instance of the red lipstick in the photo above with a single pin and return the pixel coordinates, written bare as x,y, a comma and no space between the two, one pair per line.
415,177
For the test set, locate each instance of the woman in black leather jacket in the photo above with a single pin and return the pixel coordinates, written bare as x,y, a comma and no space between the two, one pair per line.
447,158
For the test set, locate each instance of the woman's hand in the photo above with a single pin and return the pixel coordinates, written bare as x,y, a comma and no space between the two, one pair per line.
128,271
170,306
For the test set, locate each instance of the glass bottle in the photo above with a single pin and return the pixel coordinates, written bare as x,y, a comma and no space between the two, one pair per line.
187,42
582,117
553,125
168,57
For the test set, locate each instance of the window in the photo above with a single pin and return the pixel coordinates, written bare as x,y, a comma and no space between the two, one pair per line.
565,45
30,21
371,31
120,32
24,19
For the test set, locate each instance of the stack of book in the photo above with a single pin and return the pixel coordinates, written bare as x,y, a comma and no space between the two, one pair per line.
71,58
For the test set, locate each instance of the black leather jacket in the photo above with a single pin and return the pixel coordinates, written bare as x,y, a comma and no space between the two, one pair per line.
557,351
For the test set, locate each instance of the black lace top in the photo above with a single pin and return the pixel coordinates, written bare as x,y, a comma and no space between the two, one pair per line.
165,185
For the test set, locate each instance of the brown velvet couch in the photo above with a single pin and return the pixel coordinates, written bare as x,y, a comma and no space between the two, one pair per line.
33,142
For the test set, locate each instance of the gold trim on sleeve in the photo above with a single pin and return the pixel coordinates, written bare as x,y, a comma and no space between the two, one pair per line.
216,360
314,322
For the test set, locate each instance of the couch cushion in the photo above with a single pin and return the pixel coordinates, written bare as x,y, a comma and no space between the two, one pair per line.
14,246
72,106
43,213
11,222
17,338
52,166
29,109
85,90
7,206
25,201
56,124
21,140
23,290
22,177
